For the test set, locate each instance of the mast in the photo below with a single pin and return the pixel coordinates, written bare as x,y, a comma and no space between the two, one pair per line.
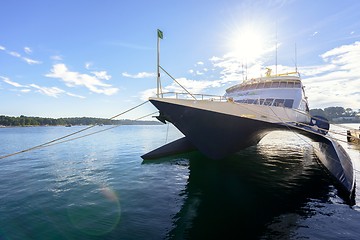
159,35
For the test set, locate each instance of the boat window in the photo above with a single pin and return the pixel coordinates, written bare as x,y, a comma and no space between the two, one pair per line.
256,101
297,85
267,84
262,101
260,85
290,85
283,84
279,102
250,101
268,101
289,103
275,84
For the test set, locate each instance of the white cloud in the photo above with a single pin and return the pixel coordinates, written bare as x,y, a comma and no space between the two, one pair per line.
144,95
18,55
56,58
192,86
49,91
139,75
27,50
74,95
15,54
25,90
315,33
232,68
72,79
199,63
88,65
15,84
102,75
337,83
30,61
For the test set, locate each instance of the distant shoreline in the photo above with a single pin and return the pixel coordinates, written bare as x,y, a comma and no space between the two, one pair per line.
24,121
26,126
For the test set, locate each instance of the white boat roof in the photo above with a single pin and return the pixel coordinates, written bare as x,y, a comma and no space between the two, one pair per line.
285,77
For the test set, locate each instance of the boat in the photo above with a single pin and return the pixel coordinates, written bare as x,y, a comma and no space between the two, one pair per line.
219,126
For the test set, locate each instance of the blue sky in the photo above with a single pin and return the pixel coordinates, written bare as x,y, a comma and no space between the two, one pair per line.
98,58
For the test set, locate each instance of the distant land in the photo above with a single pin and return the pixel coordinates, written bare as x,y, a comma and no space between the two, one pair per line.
24,121
337,114
333,114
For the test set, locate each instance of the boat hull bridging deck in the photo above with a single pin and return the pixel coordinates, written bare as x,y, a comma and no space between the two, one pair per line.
214,133
219,129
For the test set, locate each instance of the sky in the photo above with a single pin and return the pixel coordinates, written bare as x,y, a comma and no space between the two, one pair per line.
92,58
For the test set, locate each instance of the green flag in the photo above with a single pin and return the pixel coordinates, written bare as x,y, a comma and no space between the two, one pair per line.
160,34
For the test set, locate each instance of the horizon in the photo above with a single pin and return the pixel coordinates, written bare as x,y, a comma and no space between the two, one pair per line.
146,119
96,59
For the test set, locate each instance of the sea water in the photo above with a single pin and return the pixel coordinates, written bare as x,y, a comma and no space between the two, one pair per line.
98,187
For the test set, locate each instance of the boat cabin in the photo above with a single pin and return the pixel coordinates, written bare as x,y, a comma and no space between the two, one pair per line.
282,90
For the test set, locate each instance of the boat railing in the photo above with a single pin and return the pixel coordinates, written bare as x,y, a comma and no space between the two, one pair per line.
197,96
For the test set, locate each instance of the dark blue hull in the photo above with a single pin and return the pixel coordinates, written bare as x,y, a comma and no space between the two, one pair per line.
214,134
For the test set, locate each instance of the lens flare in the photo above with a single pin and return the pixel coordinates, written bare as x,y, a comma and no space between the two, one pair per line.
95,213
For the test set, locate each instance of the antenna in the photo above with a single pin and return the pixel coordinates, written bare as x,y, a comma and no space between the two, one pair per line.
246,67
296,69
276,48
242,71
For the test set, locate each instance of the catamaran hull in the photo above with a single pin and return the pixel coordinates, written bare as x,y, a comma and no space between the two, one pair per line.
337,162
214,133
220,129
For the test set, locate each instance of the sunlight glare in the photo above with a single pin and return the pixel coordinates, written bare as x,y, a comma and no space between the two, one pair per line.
248,44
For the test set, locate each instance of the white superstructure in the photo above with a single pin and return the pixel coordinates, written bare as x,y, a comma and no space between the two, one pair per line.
282,90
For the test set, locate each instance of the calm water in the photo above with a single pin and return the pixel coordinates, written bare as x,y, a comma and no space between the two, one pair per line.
98,187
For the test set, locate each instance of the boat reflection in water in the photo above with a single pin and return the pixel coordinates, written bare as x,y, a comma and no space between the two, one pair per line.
241,195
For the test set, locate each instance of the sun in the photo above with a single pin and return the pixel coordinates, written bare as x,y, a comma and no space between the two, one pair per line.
248,43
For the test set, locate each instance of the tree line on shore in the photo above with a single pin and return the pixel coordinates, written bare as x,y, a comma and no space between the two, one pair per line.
333,114
9,121
337,114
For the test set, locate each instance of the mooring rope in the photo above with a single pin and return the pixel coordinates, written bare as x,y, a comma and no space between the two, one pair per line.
52,142
102,130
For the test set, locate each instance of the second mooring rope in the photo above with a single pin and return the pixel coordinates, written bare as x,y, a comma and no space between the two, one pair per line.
57,140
